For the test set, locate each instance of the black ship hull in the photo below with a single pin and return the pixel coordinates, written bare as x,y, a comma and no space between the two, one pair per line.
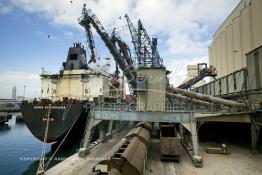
62,117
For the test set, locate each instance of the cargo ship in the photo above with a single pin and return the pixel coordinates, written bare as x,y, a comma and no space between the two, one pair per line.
66,97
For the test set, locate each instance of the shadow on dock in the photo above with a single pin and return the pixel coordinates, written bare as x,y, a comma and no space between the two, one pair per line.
228,133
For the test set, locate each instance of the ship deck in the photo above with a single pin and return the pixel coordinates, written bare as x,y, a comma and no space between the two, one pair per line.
239,161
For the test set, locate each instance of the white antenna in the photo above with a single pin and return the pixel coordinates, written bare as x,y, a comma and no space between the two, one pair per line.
42,70
106,66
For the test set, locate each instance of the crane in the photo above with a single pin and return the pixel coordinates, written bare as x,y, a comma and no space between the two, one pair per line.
87,19
146,49
124,49
202,73
91,43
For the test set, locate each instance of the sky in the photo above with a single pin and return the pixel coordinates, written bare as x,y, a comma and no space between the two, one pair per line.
184,29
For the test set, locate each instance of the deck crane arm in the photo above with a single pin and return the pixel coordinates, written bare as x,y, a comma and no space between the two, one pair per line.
89,18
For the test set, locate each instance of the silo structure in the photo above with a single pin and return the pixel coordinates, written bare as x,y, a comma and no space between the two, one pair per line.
239,34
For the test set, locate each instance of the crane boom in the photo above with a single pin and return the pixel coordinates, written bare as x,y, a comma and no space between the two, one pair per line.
145,48
88,18
124,49
91,43
134,34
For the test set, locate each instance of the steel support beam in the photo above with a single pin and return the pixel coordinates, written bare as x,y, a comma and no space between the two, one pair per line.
117,125
142,116
237,118
197,159
88,132
83,151
110,126
255,130
109,129
102,132
185,118
181,132
190,141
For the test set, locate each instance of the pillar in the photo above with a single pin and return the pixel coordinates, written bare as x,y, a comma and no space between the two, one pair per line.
87,136
196,157
255,129
102,132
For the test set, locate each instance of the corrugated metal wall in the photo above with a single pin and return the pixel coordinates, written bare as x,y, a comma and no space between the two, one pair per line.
153,99
238,35
245,81
254,65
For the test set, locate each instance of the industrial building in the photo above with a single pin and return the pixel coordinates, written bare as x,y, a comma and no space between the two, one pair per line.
14,93
236,53
238,35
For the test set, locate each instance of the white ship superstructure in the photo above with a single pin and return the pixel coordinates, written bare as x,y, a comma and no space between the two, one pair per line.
77,81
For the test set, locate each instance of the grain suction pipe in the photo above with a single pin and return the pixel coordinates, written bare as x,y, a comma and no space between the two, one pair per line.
205,97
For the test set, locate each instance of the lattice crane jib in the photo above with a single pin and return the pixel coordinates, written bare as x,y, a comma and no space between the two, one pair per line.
134,34
146,49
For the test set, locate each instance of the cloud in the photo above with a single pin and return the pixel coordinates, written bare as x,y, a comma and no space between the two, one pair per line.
179,68
19,79
5,8
184,27
69,35
183,22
